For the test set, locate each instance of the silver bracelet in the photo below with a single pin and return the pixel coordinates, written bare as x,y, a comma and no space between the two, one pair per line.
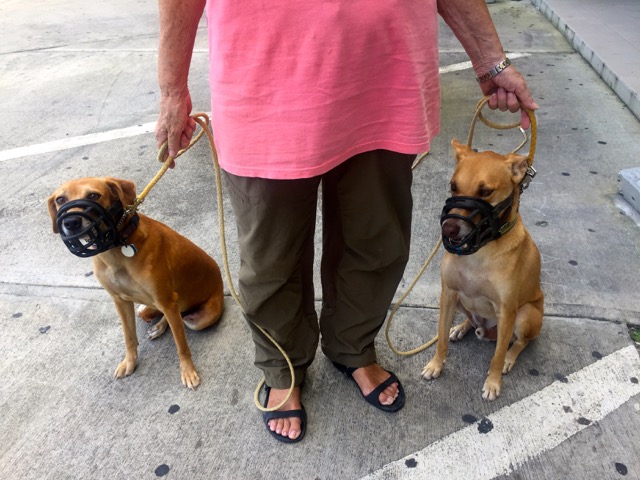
494,71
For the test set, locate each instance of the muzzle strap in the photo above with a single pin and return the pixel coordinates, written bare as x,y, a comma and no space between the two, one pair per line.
483,220
87,228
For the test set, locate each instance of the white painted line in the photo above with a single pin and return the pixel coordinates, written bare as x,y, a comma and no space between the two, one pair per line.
93,138
73,142
527,428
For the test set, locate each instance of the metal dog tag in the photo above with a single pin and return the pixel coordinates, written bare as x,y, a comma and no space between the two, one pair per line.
129,250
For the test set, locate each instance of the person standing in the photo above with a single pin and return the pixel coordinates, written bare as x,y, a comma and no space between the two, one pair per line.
333,95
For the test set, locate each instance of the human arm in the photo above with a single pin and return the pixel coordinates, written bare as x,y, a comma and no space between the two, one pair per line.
471,23
178,27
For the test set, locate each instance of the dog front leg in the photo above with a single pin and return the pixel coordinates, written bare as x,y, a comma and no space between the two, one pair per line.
190,378
493,383
127,314
448,302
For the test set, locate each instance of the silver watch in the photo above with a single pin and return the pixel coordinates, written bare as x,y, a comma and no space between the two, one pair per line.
494,71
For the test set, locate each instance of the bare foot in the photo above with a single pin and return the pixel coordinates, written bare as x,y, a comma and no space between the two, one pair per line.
369,377
287,427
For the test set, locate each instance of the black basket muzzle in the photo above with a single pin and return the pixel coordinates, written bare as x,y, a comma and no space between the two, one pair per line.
87,228
483,220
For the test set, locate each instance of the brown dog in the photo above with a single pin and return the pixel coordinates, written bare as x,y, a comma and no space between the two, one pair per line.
156,267
496,286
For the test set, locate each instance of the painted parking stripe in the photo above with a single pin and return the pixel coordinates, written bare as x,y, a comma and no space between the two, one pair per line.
93,138
527,428
74,142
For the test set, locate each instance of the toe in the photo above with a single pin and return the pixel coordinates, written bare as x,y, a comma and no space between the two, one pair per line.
293,434
370,377
276,426
284,430
389,394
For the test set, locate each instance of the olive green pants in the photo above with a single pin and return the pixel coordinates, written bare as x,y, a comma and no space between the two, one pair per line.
366,223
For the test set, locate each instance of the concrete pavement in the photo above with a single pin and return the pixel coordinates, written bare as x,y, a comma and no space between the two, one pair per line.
79,98
606,34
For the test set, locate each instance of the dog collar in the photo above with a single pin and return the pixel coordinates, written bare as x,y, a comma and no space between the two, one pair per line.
129,228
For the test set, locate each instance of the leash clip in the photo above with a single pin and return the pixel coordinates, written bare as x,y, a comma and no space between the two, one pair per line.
531,172
131,209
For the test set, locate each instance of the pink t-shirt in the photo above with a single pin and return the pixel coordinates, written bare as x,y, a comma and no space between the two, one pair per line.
299,86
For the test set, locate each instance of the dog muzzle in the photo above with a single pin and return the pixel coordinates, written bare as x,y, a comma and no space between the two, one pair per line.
484,222
87,228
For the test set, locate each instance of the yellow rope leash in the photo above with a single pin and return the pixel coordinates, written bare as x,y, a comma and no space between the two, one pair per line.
399,303
532,118
203,120
532,148
165,166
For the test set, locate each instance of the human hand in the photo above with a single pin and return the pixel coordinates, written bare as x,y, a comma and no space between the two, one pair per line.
509,91
174,125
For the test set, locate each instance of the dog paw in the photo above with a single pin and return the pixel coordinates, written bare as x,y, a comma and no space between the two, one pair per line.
458,332
125,368
157,330
491,389
190,378
432,369
508,364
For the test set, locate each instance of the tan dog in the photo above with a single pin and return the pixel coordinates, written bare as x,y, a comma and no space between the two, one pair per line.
498,286
167,272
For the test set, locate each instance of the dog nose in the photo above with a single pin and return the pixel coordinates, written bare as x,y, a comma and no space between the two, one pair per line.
71,224
450,229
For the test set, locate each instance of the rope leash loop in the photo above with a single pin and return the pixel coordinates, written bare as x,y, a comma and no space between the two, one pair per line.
203,120
498,126
399,303
531,172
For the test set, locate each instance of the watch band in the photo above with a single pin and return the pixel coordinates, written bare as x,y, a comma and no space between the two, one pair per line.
494,71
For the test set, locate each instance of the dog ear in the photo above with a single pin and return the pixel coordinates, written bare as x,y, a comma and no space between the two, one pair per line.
124,190
519,166
53,212
459,149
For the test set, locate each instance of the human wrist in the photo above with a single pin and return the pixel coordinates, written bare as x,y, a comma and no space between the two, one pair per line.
487,73
172,91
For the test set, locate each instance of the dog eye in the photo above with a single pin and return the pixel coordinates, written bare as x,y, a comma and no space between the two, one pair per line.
485,192
61,200
454,187
93,196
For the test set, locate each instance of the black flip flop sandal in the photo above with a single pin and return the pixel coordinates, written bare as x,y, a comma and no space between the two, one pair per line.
372,398
268,416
